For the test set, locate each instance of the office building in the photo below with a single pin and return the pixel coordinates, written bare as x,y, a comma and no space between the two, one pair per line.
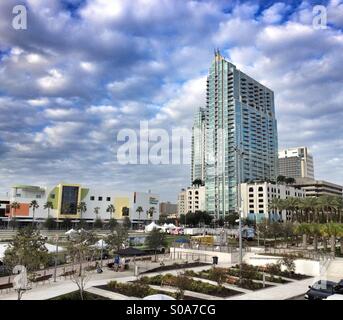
240,116
168,209
317,188
256,198
296,163
192,200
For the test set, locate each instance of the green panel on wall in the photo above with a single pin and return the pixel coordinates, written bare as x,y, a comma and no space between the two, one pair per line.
53,197
84,192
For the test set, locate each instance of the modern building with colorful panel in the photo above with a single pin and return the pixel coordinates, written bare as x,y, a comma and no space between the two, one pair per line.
65,199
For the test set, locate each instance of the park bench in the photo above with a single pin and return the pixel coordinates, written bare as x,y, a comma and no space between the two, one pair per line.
68,273
6,286
42,278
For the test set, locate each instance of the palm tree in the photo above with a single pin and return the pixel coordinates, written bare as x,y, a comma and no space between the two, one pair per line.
14,206
280,179
139,210
81,207
332,230
277,204
48,205
34,205
326,203
292,204
96,211
315,231
111,209
337,206
150,212
309,205
304,230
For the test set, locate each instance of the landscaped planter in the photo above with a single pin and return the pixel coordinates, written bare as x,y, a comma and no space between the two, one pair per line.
76,296
177,266
232,280
191,285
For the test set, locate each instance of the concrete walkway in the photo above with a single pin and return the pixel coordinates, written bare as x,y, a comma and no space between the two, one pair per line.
281,292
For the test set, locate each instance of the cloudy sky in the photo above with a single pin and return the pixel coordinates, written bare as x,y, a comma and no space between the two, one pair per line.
85,69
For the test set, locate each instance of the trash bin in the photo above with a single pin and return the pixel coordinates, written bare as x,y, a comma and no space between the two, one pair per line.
215,260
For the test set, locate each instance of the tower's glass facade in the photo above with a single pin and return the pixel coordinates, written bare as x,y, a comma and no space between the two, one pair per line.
239,114
198,145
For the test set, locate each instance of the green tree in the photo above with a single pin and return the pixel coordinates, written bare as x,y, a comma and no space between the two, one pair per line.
82,208
111,209
48,206
14,207
315,231
332,231
218,275
290,180
127,223
112,223
155,240
117,237
34,205
80,250
139,210
304,230
98,223
49,223
281,179
288,262
27,248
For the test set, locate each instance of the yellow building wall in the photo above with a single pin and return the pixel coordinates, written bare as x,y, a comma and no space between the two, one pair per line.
119,204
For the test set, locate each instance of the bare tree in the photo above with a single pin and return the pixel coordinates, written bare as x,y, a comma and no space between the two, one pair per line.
80,251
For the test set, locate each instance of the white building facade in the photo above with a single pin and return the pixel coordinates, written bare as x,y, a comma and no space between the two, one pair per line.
256,198
100,203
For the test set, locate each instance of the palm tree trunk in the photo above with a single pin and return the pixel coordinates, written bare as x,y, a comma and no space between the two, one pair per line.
315,242
305,241
341,242
325,244
333,244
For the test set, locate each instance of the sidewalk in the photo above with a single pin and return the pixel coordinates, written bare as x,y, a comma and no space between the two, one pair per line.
281,292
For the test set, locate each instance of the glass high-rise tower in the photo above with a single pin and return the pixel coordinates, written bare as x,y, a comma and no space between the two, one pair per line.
240,116
198,146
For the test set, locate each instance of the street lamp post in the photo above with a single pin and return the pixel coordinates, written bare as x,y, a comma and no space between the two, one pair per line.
102,251
240,154
55,271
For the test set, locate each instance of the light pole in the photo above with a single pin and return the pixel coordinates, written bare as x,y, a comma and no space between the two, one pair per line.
240,154
55,271
102,251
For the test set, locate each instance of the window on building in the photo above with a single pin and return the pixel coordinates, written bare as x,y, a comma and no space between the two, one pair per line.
52,196
38,196
100,199
260,189
92,198
18,195
108,199
251,189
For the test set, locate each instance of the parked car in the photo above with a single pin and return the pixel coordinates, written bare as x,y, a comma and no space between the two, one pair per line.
323,289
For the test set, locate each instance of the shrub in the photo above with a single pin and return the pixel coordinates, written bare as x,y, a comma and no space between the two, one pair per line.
288,262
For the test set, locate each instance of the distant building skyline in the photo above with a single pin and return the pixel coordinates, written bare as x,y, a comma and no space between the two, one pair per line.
296,163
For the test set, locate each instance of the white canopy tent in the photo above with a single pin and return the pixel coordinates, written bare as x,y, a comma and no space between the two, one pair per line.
151,227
